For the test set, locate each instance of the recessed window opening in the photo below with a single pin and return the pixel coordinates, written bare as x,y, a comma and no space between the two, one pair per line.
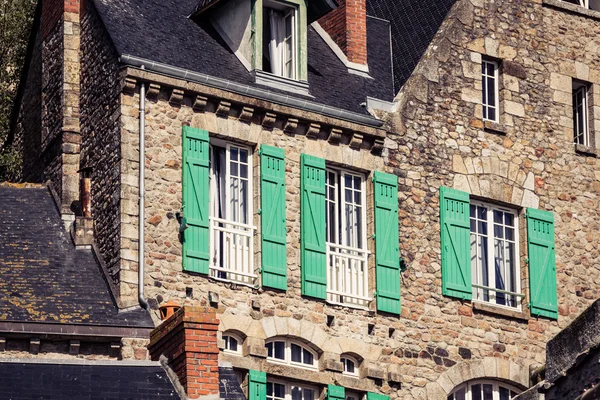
233,344
350,365
495,255
484,390
489,93
350,395
580,113
231,230
291,352
590,4
280,39
281,390
347,270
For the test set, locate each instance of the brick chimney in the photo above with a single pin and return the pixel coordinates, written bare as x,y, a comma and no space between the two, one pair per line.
60,136
347,26
189,340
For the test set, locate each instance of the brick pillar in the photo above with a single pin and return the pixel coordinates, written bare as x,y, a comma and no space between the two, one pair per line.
347,26
189,340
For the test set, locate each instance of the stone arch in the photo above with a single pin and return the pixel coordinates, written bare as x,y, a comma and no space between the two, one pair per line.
486,368
241,324
303,330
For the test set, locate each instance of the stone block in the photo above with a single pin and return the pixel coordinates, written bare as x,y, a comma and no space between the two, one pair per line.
331,362
513,108
560,82
375,372
255,347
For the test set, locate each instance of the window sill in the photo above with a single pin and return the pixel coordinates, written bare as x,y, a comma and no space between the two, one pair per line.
586,150
490,309
494,127
281,83
573,8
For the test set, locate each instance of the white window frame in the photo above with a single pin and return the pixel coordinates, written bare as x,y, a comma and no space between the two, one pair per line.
467,387
485,89
589,4
580,88
344,286
289,11
242,272
227,337
288,353
345,359
478,292
288,389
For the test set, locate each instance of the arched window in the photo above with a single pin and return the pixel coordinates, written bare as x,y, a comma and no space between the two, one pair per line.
350,365
233,343
288,351
484,390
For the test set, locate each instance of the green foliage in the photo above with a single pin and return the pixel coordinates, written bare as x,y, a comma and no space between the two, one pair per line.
16,18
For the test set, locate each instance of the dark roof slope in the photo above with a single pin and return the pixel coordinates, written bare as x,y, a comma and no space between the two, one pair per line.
180,42
55,380
414,24
43,278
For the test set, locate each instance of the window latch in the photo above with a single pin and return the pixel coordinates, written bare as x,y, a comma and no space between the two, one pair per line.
373,236
182,221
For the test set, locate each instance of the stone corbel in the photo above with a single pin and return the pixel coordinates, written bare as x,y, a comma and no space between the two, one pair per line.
375,372
176,97
247,114
223,109
269,120
377,148
74,346
290,126
356,141
153,91
335,136
34,345
129,85
200,103
331,362
313,131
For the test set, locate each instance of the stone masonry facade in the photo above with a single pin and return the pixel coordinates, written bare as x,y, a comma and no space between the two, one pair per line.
435,137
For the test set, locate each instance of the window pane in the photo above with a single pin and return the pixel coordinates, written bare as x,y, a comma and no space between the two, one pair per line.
269,349
498,216
349,366
347,181
482,213
460,394
244,202
269,389
476,392
233,169
244,156
234,154
491,114
504,395
309,394
491,91
488,392
348,195
279,390
233,344
296,353
244,171
280,350
357,198
308,357
472,208
296,393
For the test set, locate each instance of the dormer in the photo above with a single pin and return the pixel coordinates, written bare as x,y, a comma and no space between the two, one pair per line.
269,37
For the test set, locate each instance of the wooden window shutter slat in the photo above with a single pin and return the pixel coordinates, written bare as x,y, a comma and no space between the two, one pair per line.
257,385
336,392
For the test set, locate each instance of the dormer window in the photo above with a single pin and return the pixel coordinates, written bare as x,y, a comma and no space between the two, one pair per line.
280,39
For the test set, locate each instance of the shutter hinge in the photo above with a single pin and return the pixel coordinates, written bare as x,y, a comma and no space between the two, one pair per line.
259,152
527,261
375,294
373,236
259,212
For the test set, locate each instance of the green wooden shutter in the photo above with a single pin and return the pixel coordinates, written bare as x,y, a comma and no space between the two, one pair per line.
312,226
257,385
272,185
542,263
196,200
377,396
456,247
336,392
387,255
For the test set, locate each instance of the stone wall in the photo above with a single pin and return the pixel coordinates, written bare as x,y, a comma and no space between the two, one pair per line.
100,133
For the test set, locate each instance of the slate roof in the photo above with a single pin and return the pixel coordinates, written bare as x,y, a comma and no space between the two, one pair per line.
43,278
178,41
55,380
414,24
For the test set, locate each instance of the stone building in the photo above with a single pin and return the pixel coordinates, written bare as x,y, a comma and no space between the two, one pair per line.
274,137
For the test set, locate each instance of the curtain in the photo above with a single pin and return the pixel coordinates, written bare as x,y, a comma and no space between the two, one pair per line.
276,24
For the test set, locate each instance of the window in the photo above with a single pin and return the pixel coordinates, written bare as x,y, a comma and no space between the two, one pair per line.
353,395
580,114
347,271
279,390
291,352
231,230
350,365
489,84
280,39
233,344
495,254
484,390
591,4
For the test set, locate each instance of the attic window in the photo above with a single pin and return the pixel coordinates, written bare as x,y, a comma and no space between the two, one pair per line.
280,39
590,4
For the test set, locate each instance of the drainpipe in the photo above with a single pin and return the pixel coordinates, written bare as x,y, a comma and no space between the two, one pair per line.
141,220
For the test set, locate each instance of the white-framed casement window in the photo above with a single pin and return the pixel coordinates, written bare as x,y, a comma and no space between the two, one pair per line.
350,365
231,229
233,343
288,351
347,269
281,390
489,92
590,4
280,39
580,114
484,390
495,255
